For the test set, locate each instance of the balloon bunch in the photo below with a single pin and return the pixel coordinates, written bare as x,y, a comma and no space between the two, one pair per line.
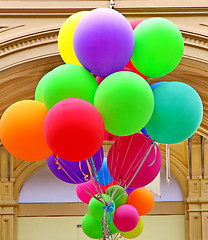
73,112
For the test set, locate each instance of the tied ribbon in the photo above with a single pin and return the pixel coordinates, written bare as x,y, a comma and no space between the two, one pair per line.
109,209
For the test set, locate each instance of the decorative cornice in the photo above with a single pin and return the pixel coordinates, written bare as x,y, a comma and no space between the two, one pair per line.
48,36
128,8
29,40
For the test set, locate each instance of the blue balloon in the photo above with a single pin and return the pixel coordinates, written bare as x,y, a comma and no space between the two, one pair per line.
144,131
104,175
157,84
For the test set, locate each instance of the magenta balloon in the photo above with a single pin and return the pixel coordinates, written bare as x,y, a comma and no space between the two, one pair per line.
125,157
89,187
99,79
126,218
103,41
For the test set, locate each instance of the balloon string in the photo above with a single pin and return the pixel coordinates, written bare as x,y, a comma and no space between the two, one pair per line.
155,147
93,182
85,175
56,158
131,168
94,168
136,172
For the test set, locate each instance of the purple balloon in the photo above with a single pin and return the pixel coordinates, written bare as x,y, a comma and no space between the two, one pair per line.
103,41
78,171
130,190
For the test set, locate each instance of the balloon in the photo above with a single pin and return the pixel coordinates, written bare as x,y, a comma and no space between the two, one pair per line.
135,232
130,190
177,113
129,64
109,136
135,23
89,187
153,86
126,218
104,175
158,47
110,184
126,156
39,88
78,171
74,129
65,38
103,41
157,84
142,199
68,81
21,130
125,101
92,227
96,208
144,131
118,191
99,79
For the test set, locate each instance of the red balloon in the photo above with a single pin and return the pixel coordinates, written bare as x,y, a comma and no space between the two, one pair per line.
135,23
125,157
74,129
129,64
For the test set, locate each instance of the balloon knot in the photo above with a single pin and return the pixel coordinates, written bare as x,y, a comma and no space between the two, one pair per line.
109,209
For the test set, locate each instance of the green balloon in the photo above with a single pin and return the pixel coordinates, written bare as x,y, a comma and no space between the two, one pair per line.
123,198
39,88
135,232
91,227
158,47
96,208
68,81
125,101
177,113
112,228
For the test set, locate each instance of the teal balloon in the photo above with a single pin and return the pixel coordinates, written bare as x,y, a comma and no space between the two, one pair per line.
91,227
96,208
158,47
177,113
119,190
39,88
125,101
68,81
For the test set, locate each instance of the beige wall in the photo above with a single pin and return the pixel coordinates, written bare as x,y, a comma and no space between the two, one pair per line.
168,227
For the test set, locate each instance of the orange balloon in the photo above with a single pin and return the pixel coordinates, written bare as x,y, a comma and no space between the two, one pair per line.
142,199
21,130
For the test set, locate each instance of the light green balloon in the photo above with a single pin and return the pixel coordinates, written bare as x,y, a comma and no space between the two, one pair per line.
158,47
91,227
177,113
39,88
122,199
125,101
68,81
96,208
135,232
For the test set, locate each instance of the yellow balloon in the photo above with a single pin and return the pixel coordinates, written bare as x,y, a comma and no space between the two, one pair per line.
135,232
65,38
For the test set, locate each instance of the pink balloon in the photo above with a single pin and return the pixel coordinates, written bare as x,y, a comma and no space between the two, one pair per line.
99,79
126,218
125,157
89,187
